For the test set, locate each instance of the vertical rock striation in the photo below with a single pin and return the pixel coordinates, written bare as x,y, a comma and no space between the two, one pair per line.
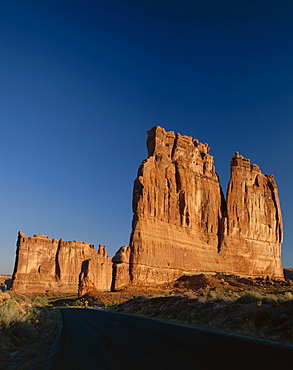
35,264
252,224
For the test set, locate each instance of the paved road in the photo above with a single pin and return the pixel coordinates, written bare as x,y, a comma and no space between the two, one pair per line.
95,339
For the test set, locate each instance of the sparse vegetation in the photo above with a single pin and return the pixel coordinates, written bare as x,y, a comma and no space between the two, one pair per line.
27,329
41,301
256,307
259,307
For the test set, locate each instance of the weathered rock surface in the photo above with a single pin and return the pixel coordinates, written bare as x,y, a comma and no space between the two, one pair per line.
121,272
96,273
44,264
182,224
252,225
177,210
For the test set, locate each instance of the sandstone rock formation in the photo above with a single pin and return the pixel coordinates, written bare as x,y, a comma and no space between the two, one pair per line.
5,282
288,274
182,224
121,277
96,272
177,210
252,225
44,264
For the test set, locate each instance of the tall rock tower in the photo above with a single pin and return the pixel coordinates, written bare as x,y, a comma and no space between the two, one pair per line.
183,225
252,224
177,205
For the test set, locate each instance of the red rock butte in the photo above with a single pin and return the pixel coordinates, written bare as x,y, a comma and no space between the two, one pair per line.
182,225
44,264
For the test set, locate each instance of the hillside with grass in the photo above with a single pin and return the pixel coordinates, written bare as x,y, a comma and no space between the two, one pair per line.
28,328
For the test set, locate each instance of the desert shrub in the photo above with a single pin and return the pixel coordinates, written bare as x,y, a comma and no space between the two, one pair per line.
23,332
262,317
216,294
106,304
269,298
78,303
10,314
287,296
250,296
18,326
19,298
40,301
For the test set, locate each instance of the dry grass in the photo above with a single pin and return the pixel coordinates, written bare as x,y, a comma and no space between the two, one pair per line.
27,330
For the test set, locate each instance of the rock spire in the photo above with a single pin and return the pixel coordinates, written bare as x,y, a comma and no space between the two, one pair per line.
182,224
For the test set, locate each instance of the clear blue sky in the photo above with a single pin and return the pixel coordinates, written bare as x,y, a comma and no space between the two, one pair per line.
82,81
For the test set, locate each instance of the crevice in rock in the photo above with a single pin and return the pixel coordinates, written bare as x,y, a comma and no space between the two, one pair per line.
57,264
177,178
279,231
221,220
174,147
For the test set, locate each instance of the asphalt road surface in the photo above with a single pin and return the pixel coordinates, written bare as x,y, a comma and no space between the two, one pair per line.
96,339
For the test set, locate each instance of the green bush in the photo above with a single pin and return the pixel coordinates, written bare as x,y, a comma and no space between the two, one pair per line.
270,298
216,294
250,296
288,296
18,326
78,303
40,301
10,314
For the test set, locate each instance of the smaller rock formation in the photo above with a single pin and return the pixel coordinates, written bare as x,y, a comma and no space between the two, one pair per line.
121,273
44,264
288,274
95,273
5,282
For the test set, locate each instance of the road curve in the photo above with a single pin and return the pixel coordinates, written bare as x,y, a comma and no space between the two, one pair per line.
96,339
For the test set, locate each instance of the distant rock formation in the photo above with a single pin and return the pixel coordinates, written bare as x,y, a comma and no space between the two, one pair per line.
5,282
288,273
44,264
182,224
